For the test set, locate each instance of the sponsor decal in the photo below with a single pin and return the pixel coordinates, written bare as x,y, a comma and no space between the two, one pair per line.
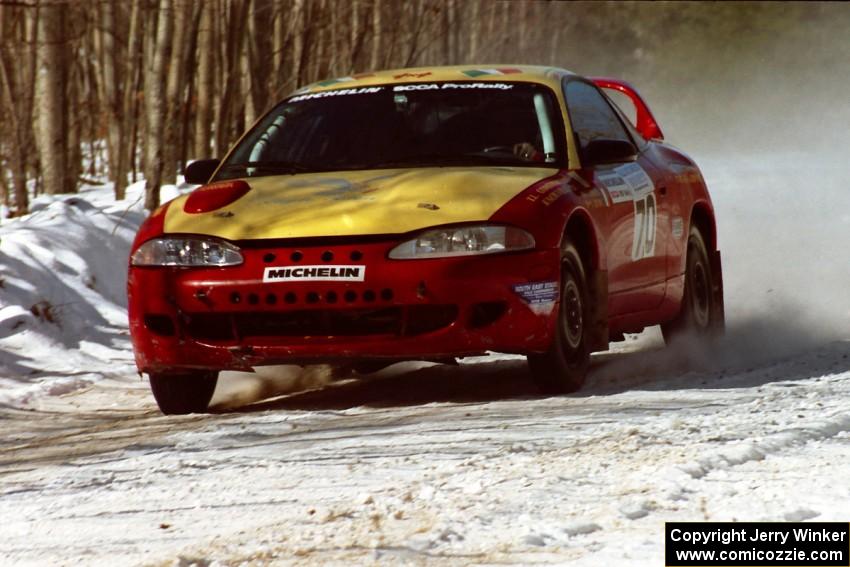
452,86
687,175
537,292
336,81
635,176
646,219
339,92
348,79
595,201
629,182
547,193
412,75
481,72
314,274
677,227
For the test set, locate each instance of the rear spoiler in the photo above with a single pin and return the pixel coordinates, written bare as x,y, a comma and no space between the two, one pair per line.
646,124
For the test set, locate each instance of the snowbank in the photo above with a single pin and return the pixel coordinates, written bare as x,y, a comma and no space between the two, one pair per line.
63,316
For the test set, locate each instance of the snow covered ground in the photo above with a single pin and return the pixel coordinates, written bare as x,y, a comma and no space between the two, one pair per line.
428,464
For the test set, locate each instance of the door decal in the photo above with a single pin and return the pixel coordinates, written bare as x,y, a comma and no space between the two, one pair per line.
629,182
645,224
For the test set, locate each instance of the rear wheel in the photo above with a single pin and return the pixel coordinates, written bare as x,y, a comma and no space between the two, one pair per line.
699,315
563,367
181,393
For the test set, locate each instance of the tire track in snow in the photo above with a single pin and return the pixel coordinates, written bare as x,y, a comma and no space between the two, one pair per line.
771,444
425,466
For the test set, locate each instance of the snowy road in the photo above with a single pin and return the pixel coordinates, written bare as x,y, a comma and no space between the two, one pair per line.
426,464
437,465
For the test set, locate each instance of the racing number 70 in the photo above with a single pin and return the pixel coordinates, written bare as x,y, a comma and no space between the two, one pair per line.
645,223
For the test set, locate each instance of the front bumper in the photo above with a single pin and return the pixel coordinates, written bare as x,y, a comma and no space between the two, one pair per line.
228,318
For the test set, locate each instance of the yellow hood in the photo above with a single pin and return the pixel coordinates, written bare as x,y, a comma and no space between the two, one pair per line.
358,202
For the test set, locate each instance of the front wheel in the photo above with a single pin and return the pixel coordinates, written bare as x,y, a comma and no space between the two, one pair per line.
700,314
182,393
563,368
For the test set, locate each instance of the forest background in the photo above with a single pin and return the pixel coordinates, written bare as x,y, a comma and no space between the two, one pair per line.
116,89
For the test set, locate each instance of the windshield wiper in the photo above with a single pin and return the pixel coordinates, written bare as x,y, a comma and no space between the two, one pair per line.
269,166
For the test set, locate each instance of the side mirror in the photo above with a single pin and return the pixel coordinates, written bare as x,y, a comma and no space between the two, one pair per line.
200,171
603,151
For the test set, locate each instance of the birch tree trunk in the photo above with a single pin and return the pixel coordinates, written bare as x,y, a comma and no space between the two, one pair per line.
261,57
374,61
303,36
158,29
203,111
280,38
9,91
234,41
133,85
248,85
188,70
174,85
474,30
72,121
354,40
50,89
447,32
114,96
17,87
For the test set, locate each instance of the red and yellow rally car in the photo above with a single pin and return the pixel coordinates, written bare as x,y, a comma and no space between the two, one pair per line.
426,214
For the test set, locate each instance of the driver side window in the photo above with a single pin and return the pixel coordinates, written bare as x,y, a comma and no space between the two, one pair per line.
591,116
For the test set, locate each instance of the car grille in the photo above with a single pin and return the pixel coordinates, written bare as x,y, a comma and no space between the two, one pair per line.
398,321
309,297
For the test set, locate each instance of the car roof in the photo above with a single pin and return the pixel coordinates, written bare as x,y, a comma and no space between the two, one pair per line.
502,73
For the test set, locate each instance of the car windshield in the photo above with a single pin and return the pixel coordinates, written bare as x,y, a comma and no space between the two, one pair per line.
410,125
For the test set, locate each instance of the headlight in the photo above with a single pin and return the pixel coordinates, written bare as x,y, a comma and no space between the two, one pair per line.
186,251
463,241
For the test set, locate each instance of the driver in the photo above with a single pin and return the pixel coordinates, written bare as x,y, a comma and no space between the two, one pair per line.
527,152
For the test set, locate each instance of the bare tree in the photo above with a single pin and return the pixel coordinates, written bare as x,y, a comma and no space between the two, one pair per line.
375,61
174,85
204,107
234,39
158,31
188,70
114,84
167,80
50,86
17,90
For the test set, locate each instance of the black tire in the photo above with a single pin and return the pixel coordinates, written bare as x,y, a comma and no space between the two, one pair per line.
699,315
563,368
182,393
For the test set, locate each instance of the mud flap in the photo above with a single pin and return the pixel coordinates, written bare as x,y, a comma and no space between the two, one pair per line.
599,311
719,315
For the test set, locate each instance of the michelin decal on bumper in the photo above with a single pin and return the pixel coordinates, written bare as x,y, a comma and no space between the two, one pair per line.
314,274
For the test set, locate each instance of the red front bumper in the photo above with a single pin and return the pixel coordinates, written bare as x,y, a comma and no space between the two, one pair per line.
227,318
